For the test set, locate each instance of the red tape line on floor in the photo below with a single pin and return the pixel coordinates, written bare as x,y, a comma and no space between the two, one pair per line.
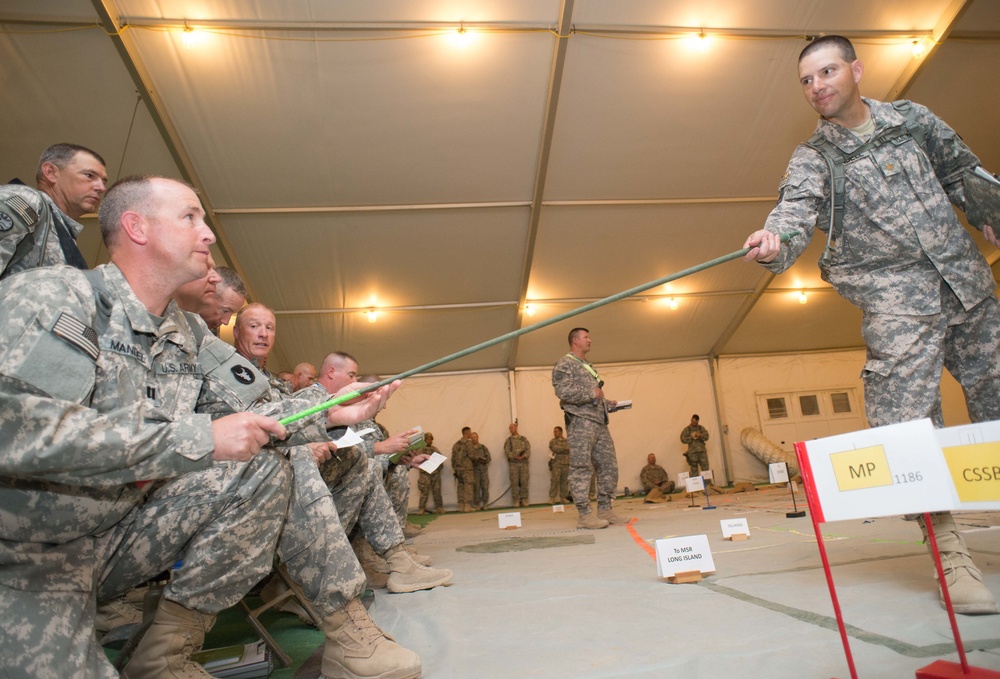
638,539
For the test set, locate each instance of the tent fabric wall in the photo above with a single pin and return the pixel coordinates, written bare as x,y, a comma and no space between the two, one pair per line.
665,395
742,378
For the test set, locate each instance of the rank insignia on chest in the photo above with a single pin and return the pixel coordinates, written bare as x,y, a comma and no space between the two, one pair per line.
889,167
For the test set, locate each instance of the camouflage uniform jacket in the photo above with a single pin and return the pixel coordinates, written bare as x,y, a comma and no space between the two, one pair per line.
34,217
460,454
478,454
695,445
900,236
653,475
560,448
87,414
517,446
574,386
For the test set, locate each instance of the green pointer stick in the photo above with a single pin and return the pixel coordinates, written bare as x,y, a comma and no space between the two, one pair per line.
517,333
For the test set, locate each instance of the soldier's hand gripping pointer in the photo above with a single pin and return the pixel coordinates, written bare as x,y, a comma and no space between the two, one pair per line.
240,436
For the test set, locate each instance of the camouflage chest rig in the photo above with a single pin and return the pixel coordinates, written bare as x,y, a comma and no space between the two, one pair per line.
836,159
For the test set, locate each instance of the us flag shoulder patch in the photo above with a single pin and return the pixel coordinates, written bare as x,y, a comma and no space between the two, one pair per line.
23,209
77,333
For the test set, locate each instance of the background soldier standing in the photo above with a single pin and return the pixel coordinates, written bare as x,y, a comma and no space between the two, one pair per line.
695,435
559,466
518,450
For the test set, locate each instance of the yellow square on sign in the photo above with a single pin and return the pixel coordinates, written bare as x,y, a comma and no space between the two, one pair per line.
975,470
861,468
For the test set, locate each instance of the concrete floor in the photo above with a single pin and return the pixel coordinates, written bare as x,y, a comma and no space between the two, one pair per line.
547,600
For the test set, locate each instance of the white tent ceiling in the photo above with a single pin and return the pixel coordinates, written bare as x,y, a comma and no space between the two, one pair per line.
353,156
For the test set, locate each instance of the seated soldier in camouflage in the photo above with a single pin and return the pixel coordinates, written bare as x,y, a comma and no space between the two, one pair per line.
654,476
107,474
39,227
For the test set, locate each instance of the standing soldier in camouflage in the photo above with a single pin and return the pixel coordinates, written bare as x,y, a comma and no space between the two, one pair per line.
695,435
430,484
896,250
591,449
40,227
518,450
559,466
480,457
464,473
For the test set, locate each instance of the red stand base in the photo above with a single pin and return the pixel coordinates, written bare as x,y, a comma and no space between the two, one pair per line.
942,669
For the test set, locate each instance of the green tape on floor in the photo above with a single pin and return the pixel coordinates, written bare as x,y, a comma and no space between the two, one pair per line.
523,544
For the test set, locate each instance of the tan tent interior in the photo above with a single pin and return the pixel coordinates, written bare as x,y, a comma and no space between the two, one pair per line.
464,170
402,180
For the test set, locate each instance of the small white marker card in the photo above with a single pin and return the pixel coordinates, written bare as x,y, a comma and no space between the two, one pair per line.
972,453
694,483
777,472
679,555
509,519
432,463
731,527
681,477
558,508
897,469
708,475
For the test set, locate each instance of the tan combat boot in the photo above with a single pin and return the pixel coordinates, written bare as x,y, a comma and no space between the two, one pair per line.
406,575
357,649
610,516
166,648
591,522
421,559
965,581
117,614
375,567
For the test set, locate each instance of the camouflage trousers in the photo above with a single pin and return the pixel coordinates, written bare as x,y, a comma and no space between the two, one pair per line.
591,452
362,504
480,484
223,522
466,479
518,480
429,484
559,482
397,486
313,545
696,460
905,356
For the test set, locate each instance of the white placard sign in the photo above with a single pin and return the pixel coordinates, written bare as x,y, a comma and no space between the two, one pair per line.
680,555
558,508
509,520
694,484
708,475
681,477
777,472
896,469
972,454
732,527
